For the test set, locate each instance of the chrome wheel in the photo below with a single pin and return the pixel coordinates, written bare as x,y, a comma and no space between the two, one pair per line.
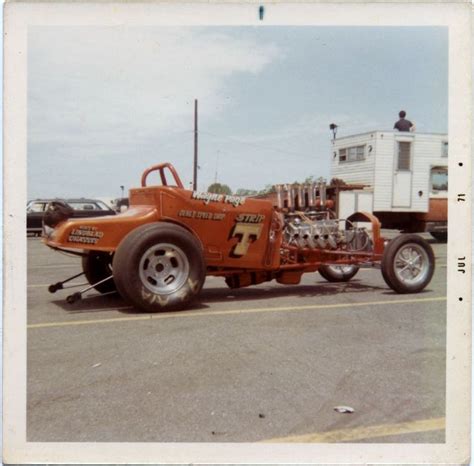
338,273
342,270
411,264
164,268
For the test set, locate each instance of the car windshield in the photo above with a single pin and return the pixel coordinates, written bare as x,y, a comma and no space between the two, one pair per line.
88,205
35,207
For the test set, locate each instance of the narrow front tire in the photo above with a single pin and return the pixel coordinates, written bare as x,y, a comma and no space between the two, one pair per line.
408,264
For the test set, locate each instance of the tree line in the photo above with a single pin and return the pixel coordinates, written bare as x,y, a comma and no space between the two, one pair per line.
220,188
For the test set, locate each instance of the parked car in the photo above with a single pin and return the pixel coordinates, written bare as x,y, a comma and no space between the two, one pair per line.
122,204
35,210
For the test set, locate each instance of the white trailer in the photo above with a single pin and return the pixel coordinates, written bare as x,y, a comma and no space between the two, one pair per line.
405,175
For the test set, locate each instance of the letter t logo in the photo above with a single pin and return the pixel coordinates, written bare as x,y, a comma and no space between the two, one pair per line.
247,231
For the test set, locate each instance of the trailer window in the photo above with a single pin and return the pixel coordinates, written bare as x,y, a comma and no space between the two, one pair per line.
404,150
352,154
439,179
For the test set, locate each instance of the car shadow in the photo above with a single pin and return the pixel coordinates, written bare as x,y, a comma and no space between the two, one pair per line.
112,302
213,295
109,302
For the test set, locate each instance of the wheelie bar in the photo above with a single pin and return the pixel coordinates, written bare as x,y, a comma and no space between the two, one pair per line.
72,298
59,285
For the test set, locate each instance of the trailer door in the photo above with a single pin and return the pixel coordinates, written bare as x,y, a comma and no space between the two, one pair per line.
402,177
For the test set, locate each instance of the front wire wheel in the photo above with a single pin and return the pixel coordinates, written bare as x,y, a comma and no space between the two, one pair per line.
408,264
338,273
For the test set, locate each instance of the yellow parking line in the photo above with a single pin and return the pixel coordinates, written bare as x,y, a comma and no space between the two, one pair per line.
169,315
368,432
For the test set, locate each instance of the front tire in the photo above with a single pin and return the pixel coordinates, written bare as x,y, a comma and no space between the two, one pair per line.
338,273
408,264
159,267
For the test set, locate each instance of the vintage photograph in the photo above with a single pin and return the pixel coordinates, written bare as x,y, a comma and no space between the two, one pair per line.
289,165
238,234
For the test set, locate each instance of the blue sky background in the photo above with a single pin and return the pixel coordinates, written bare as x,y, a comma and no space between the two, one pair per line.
105,103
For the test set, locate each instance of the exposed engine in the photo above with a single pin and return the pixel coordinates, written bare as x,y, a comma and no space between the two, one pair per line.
310,222
305,232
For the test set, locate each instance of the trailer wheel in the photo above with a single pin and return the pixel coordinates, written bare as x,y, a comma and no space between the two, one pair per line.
97,265
159,267
408,264
441,236
338,273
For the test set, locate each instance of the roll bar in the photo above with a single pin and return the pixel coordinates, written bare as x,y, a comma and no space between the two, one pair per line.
161,168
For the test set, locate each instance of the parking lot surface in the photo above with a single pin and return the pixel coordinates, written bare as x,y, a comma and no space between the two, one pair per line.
263,363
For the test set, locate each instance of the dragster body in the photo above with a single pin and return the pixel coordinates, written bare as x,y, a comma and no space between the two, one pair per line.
158,252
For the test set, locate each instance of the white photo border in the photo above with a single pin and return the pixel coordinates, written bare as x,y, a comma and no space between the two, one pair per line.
19,16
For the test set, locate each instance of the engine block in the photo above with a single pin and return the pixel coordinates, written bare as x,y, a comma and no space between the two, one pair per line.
305,231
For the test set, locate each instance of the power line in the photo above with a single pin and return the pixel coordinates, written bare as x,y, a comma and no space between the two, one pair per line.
257,145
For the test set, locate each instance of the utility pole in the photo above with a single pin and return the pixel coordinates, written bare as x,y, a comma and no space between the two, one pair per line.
195,144
217,166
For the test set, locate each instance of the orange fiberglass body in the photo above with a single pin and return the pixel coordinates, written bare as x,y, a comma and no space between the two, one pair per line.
157,253
225,225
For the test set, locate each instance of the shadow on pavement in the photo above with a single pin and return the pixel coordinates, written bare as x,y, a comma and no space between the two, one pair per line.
284,291
113,302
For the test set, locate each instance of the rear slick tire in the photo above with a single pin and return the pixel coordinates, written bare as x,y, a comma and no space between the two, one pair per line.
408,264
338,273
159,267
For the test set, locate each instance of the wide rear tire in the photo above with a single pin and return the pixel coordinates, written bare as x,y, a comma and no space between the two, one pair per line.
338,273
159,267
97,266
408,264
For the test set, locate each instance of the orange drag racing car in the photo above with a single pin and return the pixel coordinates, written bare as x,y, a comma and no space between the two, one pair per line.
157,254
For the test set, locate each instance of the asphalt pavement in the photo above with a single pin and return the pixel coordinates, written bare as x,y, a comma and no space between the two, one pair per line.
264,363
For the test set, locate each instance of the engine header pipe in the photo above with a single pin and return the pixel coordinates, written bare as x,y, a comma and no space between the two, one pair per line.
322,193
310,191
279,193
299,194
289,197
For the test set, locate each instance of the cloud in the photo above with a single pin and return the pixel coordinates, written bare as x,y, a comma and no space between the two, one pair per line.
117,87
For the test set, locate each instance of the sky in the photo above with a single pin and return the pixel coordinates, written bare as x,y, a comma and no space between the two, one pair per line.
104,103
